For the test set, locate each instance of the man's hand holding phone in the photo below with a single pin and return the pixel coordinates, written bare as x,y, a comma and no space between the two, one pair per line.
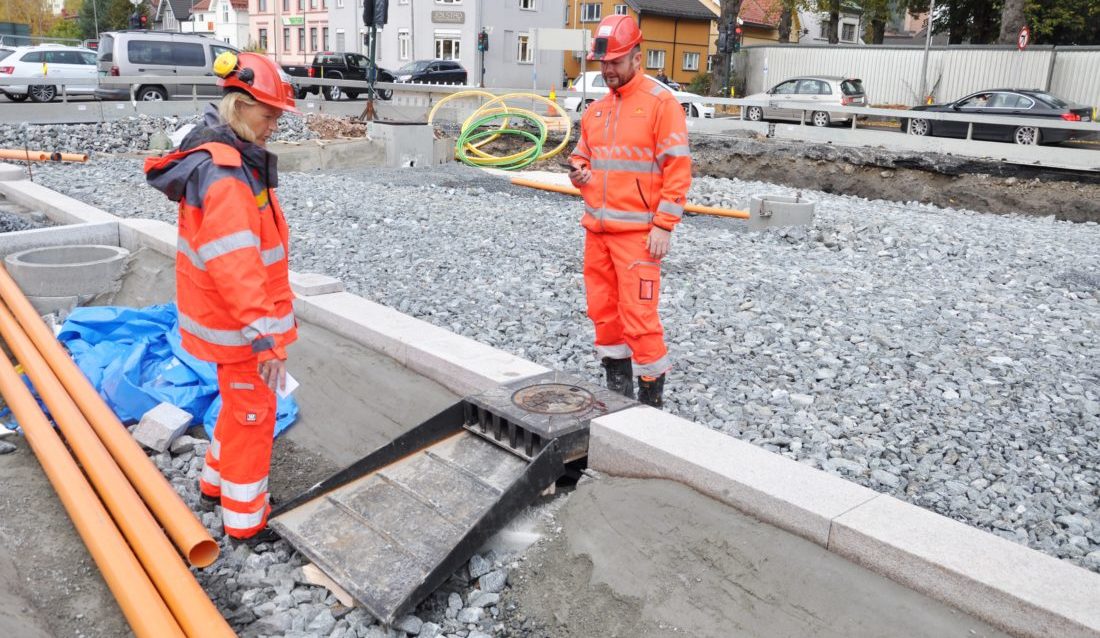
579,175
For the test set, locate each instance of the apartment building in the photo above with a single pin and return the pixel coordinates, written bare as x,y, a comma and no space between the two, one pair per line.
290,31
677,33
447,29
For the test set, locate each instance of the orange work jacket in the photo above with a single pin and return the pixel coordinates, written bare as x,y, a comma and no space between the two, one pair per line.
635,141
232,275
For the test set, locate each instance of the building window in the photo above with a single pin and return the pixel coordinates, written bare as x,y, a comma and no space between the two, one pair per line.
339,4
312,4
691,61
225,13
448,1
591,12
286,5
655,59
263,6
313,38
620,9
402,1
324,38
848,32
301,5
301,39
340,45
710,64
286,39
527,5
263,39
524,55
447,45
404,44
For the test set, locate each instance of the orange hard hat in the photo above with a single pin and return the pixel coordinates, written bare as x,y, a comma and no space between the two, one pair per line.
616,36
257,76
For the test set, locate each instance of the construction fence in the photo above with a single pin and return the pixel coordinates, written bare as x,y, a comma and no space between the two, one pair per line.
892,74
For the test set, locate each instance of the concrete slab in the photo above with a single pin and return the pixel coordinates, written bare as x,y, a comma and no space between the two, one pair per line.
148,233
462,365
105,233
647,443
60,208
310,284
1020,590
12,172
649,558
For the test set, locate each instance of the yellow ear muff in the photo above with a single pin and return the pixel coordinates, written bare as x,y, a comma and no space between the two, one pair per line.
225,64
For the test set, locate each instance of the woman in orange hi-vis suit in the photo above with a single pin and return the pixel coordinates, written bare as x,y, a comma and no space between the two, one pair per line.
633,167
232,280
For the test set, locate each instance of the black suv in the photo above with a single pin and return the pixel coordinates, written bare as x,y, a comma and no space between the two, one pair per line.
339,66
432,72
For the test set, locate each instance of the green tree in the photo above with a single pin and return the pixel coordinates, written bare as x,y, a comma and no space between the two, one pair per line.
973,21
66,28
113,15
1064,22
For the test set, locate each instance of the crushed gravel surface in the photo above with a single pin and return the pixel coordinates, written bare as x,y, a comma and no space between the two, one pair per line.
945,357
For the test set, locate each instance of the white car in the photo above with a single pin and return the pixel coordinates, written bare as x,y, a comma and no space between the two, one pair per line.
49,62
596,88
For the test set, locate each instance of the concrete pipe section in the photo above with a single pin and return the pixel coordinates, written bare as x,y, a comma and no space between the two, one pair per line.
770,211
58,278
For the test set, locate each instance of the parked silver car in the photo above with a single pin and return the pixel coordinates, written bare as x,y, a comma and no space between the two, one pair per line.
809,98
156,53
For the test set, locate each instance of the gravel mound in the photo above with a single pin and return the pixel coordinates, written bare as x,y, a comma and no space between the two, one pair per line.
120,136
942,356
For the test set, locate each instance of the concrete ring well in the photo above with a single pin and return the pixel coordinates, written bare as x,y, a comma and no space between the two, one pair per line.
66,271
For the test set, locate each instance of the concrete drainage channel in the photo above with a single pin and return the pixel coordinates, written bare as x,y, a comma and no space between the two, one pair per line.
712,536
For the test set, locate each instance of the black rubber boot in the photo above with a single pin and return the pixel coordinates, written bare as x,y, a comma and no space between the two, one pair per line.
620,376
651,391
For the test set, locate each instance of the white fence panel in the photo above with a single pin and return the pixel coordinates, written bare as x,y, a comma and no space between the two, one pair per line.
891,75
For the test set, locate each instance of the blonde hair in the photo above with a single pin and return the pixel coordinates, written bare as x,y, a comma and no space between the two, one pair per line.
229,110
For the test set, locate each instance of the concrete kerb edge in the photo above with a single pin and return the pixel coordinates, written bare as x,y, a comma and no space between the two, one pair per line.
925,551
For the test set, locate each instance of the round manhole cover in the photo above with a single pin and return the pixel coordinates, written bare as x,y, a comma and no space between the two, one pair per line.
553,398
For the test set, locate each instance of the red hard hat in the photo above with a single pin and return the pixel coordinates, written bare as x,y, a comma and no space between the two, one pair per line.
616,36
257,76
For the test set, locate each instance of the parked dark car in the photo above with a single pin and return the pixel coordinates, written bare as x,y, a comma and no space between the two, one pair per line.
336,66
432,72
1007,102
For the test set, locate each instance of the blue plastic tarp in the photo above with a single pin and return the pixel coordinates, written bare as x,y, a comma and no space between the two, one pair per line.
135,359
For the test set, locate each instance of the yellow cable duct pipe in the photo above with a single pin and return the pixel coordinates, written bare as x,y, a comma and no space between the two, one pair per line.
142,606
690,208
173,514
193,610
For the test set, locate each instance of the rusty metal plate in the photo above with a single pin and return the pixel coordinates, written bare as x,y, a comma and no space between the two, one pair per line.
553,398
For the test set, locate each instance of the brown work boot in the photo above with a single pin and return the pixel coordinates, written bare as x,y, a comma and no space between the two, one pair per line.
651,391
620,376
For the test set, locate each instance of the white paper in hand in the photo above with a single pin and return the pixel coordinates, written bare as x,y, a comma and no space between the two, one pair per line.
289,388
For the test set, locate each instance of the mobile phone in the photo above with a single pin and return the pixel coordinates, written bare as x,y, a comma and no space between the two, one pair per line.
569,166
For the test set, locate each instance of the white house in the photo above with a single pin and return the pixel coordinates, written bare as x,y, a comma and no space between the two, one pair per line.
226,20
816,26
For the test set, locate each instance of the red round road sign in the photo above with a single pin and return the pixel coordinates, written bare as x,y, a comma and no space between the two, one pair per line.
1024,38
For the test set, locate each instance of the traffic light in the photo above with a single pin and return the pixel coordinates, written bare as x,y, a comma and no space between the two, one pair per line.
737,35
483,41
375,12
144,21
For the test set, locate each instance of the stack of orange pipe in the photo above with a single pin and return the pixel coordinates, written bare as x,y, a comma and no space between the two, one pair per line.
41,156
156,591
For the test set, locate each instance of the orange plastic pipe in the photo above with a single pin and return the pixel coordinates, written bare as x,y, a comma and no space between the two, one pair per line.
178,520
690,208
193,610
41,156
140,603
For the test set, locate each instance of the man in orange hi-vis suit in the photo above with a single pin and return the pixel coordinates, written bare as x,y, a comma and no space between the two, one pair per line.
633,167
232,278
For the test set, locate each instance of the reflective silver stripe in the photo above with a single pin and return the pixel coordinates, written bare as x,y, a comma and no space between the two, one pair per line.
192,256
621,351
243,337
619,215
273,255
244,492
680,150
670,208
241,386
656,90
655,369
236,520
626,166
216,449
225,245
210,476
270,326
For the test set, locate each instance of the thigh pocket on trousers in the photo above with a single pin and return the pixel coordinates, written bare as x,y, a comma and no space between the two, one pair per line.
645,280
248,402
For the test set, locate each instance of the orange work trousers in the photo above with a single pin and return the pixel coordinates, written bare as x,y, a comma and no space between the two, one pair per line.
622,283
239,456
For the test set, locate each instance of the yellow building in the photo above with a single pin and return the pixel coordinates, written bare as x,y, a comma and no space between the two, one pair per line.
677,34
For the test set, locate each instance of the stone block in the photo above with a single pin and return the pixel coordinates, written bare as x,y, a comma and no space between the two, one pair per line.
771,211
1020,590
160,426
310,284
647,443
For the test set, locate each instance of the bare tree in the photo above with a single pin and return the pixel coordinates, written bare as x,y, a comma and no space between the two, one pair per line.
727,21
785,19
833,7
1012,18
